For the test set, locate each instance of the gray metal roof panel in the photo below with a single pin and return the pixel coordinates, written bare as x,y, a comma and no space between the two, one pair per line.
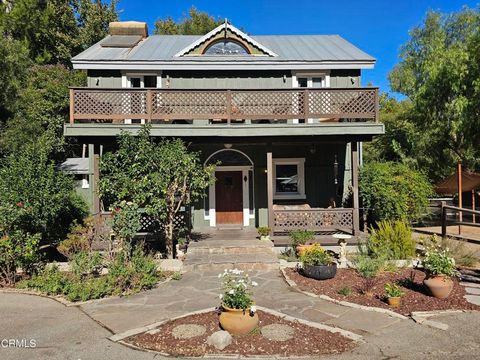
287,47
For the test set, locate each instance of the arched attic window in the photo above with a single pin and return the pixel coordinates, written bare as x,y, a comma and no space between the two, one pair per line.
226,47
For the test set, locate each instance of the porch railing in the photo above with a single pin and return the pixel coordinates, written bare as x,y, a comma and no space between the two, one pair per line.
340,219
161,105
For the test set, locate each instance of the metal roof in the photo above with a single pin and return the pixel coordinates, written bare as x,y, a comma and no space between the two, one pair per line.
289,48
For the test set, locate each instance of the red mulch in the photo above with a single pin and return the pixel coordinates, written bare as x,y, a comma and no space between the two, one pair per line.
306,340
415,296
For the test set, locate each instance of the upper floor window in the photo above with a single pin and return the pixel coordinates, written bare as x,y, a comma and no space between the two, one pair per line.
226,47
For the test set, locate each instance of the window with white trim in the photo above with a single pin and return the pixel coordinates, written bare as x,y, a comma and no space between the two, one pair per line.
289,178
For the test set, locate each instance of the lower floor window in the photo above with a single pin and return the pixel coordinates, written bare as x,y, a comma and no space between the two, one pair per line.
289,178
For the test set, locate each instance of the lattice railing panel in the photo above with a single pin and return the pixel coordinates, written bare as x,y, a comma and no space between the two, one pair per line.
101,102
118,104
267,103
313,219
345,103
189,103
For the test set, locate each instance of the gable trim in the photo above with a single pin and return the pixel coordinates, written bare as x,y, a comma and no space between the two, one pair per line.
224,27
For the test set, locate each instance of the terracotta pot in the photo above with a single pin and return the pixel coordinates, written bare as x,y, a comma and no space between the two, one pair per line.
238,321
301,248
394,301
320,272
440,286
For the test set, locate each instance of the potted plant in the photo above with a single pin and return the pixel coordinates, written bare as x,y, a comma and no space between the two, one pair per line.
264,232
301,240
238,314
440,268
317,263
394,294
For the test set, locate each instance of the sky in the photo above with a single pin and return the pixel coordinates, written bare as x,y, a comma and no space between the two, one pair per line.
375,26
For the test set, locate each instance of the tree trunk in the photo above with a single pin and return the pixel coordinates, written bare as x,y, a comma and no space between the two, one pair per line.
169,238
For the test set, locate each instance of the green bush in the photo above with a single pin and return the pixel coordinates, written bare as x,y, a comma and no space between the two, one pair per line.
393,191
86,263
315,256
18,250
391,240
301,237
393,290
124,277
368,267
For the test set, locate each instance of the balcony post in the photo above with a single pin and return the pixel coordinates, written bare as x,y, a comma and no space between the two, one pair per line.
354,167
306,105
271,222
72,106
149,105
377,110
229,106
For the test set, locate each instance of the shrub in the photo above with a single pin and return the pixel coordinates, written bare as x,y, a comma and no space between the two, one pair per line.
368,268
392,240
315,256
86,263
49,281
393,290
263,231
393,191
17,250
345,291
458,249
301,237
126,223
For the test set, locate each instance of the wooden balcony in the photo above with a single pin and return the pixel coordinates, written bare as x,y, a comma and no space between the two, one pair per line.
166,106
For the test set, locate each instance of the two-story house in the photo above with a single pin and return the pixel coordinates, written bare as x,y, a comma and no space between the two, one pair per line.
285,116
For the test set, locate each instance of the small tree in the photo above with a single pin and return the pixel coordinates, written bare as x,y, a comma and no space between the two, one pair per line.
158,177
393,191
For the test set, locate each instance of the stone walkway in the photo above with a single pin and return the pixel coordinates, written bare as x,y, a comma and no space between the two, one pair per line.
472,292
200,290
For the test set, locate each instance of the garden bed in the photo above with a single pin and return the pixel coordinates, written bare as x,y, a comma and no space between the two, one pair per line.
305,340
415,298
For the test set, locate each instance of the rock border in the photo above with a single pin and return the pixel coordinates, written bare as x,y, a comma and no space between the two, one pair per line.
120,337
420,317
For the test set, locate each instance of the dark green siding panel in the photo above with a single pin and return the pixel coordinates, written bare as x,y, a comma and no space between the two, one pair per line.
345,78
104,78
320,184
226,79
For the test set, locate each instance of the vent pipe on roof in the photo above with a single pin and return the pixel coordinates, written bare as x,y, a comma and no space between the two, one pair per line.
128,28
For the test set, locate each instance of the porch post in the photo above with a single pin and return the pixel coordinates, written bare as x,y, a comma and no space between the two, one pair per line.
356,211
270,191
93,160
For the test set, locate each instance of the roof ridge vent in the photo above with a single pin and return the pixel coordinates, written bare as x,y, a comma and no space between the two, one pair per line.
137,28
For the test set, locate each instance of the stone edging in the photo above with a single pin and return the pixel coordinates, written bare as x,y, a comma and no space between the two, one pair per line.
62,300
120,337
294,285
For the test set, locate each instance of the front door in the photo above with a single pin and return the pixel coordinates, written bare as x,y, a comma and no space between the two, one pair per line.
229,198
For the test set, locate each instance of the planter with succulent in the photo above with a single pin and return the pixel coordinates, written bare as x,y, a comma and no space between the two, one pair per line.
394,294
264,232
301,240
317,263
440,269
238,314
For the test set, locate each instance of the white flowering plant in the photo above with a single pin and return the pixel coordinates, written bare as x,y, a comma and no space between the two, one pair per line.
237,289
438,261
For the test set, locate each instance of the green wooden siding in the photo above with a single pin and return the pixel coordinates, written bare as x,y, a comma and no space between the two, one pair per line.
345,78
104,78
319,175
226,79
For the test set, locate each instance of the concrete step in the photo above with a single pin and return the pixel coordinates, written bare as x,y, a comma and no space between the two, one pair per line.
207,247
219,262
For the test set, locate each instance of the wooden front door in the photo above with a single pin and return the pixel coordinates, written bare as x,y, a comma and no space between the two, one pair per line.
229,197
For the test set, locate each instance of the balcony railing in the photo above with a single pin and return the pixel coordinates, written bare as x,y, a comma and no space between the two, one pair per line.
313,219
122,105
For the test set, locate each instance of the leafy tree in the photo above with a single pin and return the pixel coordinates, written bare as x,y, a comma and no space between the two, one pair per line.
440,73
36,198
196,23
56,29
160,178
393,191
13,64
41,108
